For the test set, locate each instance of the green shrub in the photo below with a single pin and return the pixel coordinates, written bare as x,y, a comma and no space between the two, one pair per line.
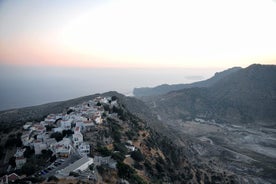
137,156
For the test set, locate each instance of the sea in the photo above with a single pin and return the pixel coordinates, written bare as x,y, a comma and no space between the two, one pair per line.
22,86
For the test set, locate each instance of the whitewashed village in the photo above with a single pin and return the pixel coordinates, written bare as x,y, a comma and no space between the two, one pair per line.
67,140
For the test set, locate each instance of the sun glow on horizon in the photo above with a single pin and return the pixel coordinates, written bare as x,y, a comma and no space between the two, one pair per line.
124,33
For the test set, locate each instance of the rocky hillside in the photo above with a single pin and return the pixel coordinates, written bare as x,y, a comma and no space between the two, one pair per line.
165,88
228,126
158,156
246,96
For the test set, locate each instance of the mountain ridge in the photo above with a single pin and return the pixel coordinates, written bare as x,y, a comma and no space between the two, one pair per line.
247,95
165,88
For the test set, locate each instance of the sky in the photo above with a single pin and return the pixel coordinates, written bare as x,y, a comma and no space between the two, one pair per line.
138,34
57,50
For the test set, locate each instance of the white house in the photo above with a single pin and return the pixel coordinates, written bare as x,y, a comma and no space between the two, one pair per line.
88,125
20,161
77,139
98,120
99,160
39,146
62,148
58,129
50,142
77,129
27,125
11,178
19,152
42,137
66,124
19,157
114,103
104,100
25,138
84,149
130,148
40,129
50,119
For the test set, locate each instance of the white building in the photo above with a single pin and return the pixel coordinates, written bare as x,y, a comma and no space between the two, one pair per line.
84,149
58,129
25,138
114,103
104,100
66,125
40,129
98,120
78,166
11,178
130,148
99,160
88,125
62,148
50,142
20,161
77,129
42,137
39,146
19,158
77,139
79,123
27,125
20,152
50,119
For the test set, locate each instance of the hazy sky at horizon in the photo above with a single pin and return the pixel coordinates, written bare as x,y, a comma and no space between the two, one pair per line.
56,50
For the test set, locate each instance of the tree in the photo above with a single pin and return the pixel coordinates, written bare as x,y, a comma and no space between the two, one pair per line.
57,135
53,178
49,128
28,168
101,169
12,162
69,111
113,98
91,167
118,156
66,133
46,153
104,151
120,147
124,170
138,166
28,152
137,155
12,141
1,152
74,174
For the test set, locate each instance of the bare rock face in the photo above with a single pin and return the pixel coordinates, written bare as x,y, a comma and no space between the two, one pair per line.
227,127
